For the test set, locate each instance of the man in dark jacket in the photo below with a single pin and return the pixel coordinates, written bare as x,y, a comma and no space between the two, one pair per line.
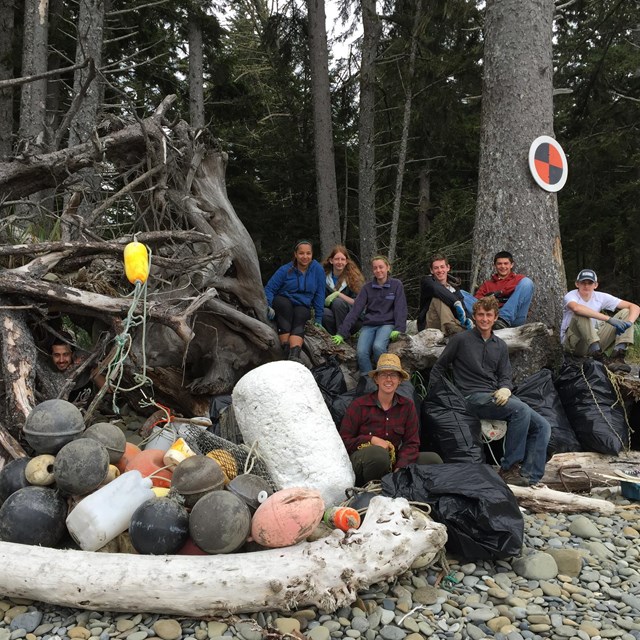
441,305
482,372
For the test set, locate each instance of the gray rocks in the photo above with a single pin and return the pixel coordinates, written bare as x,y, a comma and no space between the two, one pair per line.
536,566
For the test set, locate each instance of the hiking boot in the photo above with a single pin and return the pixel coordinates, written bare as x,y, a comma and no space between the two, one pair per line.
615,362
513,476
294,354
500,323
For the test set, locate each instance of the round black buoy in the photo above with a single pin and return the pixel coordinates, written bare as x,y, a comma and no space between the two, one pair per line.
12,477
159,526
110,436
33,515
52,424
81,466
220,522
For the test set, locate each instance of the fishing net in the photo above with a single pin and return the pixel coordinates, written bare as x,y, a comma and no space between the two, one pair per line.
234,459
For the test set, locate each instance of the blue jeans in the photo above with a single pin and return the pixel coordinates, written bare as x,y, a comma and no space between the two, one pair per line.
372,339
515,309
527,432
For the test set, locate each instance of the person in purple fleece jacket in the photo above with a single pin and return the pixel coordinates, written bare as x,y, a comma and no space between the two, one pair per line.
385,315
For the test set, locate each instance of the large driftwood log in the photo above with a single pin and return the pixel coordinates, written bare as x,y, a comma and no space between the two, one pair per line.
327,573
31,174
581,471
543,499
205,283
420,350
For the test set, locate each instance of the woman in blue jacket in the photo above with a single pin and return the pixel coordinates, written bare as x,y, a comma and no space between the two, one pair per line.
385,315
292,291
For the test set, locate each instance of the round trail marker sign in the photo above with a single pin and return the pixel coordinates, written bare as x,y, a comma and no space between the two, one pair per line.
548,163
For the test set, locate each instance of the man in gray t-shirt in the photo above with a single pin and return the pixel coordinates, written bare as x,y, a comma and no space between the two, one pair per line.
586,331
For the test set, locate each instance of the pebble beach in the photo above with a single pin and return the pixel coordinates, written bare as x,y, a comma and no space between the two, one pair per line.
578,578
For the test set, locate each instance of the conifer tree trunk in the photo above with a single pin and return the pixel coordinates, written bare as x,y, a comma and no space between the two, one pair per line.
326,186
33,100
196,72
513,213
406,122
6,72
366,135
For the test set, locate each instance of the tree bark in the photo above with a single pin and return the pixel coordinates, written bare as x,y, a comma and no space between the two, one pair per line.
326,185
33,103
404,137
424,199
18,354
196,72
513,213
366,135
6,72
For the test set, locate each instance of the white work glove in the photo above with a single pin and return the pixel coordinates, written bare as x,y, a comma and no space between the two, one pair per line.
502,396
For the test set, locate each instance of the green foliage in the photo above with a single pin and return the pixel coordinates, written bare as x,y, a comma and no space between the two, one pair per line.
598,124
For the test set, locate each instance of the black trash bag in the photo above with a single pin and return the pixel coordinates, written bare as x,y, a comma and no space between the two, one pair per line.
339,406
366,384
330,379
219,404
447,426
481,514
540,394
592,407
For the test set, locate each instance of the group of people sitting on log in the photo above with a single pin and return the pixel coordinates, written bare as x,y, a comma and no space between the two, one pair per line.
344,303
380,429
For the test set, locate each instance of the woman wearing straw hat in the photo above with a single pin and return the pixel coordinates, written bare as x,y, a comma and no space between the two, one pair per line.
380,429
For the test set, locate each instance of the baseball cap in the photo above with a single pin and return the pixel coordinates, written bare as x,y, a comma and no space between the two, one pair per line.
587,274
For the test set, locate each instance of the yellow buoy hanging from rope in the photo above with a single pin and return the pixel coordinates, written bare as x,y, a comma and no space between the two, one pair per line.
136,262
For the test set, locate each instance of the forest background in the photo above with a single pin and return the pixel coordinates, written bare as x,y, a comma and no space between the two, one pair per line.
258,104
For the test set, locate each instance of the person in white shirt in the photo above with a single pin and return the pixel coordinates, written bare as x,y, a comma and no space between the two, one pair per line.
586,331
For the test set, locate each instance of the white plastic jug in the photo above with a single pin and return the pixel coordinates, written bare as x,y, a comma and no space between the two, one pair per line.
106,513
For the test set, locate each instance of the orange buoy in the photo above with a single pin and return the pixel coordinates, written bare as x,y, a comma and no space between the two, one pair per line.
287,517
130,452
343,518
150,463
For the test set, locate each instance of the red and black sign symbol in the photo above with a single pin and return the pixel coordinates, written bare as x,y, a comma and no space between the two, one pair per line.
548,163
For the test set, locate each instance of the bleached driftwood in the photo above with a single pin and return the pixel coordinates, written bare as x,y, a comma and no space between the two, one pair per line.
327,573
581,471
420,350
544,499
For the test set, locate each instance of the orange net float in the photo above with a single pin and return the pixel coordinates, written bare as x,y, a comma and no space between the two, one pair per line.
343,518
150,463
136,262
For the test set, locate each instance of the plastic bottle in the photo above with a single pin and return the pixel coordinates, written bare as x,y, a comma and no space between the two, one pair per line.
343,518
106,513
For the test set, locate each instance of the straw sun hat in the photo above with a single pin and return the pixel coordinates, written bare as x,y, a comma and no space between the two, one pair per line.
389,362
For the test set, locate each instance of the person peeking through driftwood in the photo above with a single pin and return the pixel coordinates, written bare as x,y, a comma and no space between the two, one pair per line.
380,429
66,361
292,292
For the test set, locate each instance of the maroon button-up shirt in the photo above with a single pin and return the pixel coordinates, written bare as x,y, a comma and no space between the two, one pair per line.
365,418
